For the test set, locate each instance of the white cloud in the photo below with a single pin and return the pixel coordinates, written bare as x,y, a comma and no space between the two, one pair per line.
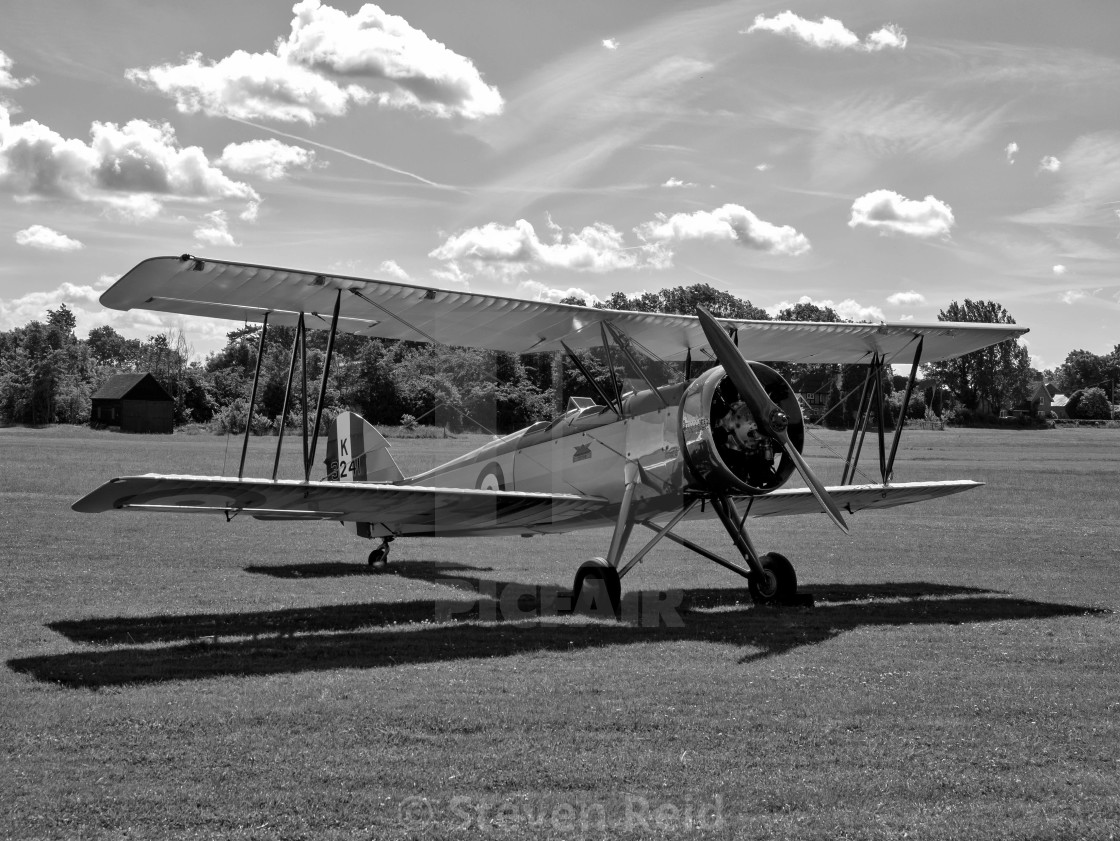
537,291
7,79
33,306
1060,269
764,167
889,37
321,69
677,183
848,309
1010,151
42,237
888,212
731,222
269,159
1072,296
83,301
131,169
596,248
828,33
214,230
610,43
1049,164
906,299
390,269
1090,179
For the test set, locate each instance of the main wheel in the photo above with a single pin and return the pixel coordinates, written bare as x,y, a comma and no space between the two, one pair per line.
778,586
597,590
379,557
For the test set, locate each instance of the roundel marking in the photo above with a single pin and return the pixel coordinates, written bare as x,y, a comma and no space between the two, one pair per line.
491,478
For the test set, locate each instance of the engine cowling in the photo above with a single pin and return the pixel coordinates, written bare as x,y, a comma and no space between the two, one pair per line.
724,449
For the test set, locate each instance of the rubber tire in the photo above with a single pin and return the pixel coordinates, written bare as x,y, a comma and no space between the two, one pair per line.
600,571
379,557
783,585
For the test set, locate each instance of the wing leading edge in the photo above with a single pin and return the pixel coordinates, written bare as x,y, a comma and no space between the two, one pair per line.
852,498
399,509
246,292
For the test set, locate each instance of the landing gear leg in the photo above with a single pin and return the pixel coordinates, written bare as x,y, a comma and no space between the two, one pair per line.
772,578
379,557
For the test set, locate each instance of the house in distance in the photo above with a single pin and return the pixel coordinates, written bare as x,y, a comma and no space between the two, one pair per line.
135,403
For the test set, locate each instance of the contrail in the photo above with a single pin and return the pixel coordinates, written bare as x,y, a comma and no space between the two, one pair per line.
338,151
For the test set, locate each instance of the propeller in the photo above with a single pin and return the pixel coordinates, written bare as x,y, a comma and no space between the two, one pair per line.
769,416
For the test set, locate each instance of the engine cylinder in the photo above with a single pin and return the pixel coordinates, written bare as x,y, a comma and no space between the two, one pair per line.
724,447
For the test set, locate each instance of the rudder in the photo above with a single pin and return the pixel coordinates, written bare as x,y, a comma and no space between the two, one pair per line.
357,452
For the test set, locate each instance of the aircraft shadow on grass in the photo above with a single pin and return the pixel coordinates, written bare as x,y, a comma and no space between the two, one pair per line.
386,634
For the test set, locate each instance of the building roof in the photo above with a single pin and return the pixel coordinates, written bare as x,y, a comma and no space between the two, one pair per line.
135,386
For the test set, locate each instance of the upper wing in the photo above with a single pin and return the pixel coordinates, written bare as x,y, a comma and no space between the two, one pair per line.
852,498
244,292
399,509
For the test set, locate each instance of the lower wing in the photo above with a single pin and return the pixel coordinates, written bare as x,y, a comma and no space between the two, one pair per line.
398,509
852,498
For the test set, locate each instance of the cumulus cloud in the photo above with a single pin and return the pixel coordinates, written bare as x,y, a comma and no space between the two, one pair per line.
1073,296
1010,151
610,43
268,159
906,299
1049,164
731,222
1060,269
890,213
538,291
214,230
677,183
391,269
848,309
82,299
42,237
600,247
596,248
7,78
131,169
828,33
324,66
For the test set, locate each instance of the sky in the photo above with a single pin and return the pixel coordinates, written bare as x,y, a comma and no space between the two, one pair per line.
883,157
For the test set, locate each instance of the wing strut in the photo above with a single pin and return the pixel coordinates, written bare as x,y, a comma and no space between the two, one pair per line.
322,388
253,397
296,342
873,392
587,376
902,412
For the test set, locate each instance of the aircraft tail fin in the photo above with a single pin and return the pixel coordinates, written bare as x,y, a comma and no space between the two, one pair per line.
356,452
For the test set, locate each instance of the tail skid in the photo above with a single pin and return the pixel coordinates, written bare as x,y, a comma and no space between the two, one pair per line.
357,452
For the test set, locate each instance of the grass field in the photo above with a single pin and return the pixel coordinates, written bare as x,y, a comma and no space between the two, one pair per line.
173,676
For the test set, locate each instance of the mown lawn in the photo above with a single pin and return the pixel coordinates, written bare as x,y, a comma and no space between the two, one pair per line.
175,676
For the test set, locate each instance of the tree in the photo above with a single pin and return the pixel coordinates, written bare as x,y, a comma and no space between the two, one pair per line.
989,379
63,321
1089,404
1081,369
683,300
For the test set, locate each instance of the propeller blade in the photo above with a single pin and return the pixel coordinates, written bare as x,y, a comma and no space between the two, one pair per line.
827,503
767,413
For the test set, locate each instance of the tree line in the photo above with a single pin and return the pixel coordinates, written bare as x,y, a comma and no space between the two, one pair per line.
48,374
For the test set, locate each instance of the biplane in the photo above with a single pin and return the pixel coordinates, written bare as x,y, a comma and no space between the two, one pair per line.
723,442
